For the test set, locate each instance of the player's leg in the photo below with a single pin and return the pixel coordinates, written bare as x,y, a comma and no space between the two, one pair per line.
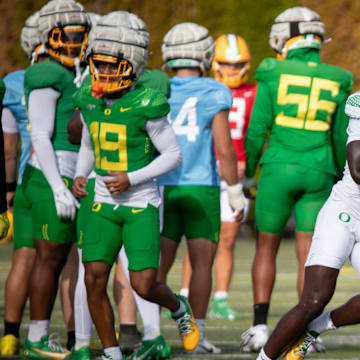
17,283
185,275
67,293
303,243
129,336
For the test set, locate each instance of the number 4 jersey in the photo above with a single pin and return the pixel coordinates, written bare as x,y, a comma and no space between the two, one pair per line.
301,104
194,102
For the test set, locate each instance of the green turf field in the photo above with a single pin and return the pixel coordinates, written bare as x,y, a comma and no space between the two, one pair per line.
341,344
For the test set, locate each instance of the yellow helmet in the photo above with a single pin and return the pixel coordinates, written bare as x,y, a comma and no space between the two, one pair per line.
231,49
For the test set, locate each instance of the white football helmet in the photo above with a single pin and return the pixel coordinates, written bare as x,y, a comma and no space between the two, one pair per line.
94,18
300,24
121,47
64,27
188,45
30,38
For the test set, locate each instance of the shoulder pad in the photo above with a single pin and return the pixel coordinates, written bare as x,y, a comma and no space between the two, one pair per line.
155,103
268,64
352,107
46,74
82,96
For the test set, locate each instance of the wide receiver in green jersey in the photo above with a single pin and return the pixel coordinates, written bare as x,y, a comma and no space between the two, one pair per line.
300,105
4,221
124,125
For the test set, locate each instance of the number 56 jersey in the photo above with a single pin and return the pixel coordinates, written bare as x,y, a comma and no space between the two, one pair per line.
194,102
301,104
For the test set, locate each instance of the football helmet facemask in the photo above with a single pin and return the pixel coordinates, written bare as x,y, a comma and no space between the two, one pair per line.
231,62
64,27
295,28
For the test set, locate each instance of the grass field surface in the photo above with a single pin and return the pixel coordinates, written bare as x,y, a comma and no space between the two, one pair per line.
341,344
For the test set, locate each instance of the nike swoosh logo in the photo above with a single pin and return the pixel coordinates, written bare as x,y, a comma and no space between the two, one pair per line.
50,354
125,109
144,355
135,211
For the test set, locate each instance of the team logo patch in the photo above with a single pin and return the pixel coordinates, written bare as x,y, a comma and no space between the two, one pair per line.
344,217
96,206
125,109
107,111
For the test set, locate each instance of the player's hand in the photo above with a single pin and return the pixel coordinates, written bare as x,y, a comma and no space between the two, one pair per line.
236,200
65,203
78,187
4,225
10,200
118,183
250,187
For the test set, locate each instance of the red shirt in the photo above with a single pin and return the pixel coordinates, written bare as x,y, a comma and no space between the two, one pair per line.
239,117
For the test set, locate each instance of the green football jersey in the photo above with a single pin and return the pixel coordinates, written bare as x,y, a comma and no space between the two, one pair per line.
300,104
118,131
50,74
2,90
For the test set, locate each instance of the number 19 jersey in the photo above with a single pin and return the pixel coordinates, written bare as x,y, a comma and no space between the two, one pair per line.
194,102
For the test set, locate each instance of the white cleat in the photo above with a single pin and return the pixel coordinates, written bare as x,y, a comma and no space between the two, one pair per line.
317,346
254,338
205,347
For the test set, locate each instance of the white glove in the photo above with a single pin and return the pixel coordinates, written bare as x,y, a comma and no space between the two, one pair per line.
236,197
65,203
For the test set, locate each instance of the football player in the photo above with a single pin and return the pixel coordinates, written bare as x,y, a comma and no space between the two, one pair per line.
230,66
199,109
300,103
124,124
130,338
46,206
335,240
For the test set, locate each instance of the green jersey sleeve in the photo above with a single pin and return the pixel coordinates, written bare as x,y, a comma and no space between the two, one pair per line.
156,80
2,90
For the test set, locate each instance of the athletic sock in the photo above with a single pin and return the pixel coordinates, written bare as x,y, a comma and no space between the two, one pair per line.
38,329
184,292
70,339
201,325
12,328
180,310
81,343
129,329
261,313
114,352
262,356
221,295
322,323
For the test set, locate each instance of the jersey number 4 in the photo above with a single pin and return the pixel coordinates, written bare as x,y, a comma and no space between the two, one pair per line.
101,133
307,105
186,122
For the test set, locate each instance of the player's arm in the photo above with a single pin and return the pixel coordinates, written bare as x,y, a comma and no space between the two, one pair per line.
227,159
85,163
11,137
164,139
353,148
74,128
260,123
42,112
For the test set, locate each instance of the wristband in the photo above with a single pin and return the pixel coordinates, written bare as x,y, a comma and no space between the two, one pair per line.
10,187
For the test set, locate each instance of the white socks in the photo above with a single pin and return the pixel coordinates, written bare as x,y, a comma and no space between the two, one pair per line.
38,329
201,325
184,292
180,310
79,343
114,352
322,323
221,295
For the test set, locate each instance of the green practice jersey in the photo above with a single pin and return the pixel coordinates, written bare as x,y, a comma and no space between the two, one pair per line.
50,74
2,90
300,104
117,131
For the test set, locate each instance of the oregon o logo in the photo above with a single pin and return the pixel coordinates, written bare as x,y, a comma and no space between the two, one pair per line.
107,111
66,181
344,217
96,207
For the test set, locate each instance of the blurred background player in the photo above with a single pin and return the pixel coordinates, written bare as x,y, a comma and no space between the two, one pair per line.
231,65
47,207
124,124
4,221
199,109
335,240
300,101
15,121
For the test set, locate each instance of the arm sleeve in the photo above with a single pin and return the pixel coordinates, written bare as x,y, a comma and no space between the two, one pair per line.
260,123
42,112
85,161
164,139
353,130
9,123
339,137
